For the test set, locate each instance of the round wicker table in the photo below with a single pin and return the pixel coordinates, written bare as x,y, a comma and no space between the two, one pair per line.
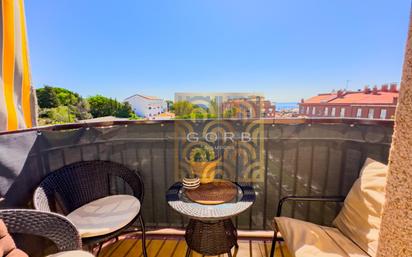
210,230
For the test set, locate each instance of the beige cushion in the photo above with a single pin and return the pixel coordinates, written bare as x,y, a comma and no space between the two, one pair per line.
360,216
305,239
105,215
72,254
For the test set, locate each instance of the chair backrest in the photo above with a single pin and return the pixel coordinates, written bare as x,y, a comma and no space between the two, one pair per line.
27,222
74,185
360,217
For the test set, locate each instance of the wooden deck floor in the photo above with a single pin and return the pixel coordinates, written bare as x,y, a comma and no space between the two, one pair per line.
177,248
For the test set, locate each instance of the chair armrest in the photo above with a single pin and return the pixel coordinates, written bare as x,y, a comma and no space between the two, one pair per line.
307,199
53,226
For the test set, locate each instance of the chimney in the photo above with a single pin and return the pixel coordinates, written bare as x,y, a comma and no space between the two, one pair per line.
375,90
385,88
366,90
340,93
393,88
302,100
395,100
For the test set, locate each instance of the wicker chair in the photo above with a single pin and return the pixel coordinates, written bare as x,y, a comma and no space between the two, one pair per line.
53,226
75,185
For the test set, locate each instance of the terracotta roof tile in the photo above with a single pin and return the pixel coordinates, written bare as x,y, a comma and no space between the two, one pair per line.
322,98
355,98
362,98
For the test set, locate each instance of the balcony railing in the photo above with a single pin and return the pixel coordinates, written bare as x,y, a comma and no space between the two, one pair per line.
297,157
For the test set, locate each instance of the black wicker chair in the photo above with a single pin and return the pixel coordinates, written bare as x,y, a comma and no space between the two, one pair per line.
45,224
75,185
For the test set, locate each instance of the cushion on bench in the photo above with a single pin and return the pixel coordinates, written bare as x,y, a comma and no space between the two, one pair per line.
360,216
305,239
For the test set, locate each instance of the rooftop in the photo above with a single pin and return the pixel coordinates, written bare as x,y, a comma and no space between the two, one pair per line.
366,96
144,96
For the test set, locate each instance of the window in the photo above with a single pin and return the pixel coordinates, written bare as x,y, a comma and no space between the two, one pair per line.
333,113
314,111
326,111
150,108
383,114
307,110
359,113
371,113
342,112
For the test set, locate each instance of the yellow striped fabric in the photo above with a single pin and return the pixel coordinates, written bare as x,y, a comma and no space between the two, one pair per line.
17,96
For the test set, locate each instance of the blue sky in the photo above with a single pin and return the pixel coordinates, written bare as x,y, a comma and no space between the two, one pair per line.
285,49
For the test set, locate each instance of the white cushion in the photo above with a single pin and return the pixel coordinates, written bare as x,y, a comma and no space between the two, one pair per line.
360,217
72,254
105,215
305,239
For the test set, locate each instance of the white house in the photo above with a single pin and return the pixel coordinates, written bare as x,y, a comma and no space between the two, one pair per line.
146,106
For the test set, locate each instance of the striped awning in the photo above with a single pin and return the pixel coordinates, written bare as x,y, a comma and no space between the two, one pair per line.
17,96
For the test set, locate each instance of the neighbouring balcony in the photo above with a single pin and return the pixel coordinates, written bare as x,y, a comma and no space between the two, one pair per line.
318,157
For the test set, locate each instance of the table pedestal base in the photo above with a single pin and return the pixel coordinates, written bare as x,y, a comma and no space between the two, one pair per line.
211,238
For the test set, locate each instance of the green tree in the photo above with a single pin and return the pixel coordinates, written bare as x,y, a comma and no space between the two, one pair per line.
230,113
183,109
66,97
124,110
170,106
198,113
82,109
59,105
213,109
57,115
101,106
133,116
47,97
53,97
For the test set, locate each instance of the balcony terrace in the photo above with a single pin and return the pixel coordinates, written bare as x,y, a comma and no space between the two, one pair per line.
317,157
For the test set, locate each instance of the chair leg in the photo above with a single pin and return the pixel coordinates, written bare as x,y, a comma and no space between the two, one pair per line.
188,251
143,235
272,249
99,249
281,249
